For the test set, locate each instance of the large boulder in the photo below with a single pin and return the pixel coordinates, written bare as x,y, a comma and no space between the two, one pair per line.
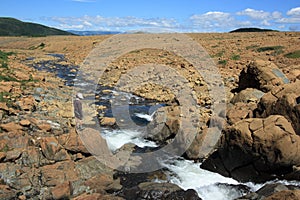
284,100
262,75
256,150
165,124
247,95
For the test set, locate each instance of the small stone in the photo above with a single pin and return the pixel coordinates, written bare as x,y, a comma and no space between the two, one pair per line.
25,122
44,127
108,121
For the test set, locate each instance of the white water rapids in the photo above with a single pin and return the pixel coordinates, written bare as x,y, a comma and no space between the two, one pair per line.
184,173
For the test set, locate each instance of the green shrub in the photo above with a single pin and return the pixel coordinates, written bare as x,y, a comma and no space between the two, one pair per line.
4,55
4,65
222,62
219,54
3,95
235,57
295,54
7,78
276,49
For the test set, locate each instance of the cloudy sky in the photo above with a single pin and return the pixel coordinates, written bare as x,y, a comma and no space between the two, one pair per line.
157,15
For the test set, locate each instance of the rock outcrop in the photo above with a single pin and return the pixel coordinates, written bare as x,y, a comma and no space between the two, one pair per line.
256,149
275,191
283,100
262,75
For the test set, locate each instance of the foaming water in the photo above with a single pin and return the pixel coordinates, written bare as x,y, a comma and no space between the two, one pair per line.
189,175
117,138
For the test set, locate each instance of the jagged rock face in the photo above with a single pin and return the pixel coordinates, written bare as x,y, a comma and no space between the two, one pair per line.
255,149
161,191
284,100
240,111
262,75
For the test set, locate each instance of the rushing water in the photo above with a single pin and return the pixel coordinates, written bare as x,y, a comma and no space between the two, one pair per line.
184,173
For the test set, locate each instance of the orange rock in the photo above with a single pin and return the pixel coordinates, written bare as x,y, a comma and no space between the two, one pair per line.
50,147
108,121
2,155
5,86
25,122
3,106
285,194
11,127
26,103
62,191
46,127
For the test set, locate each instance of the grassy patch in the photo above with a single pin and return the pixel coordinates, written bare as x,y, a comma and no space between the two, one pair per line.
4,65
4,96
222,62
4,55
235,57
252,47
5,148
295,54
276,49
7,78
219,54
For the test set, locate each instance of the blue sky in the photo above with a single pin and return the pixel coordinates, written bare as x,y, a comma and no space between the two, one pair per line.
157,15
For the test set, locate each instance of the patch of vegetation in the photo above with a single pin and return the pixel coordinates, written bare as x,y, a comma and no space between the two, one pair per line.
7,78
269,48
219,54
4,55
4,65
13,27
276,49
4,96
252,47
5,148
235,57
295,54
222,62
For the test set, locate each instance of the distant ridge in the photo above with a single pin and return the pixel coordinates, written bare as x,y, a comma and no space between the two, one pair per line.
251,30
87,33
14,27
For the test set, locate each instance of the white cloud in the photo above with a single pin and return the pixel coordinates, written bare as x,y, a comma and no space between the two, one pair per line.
294,12
113,23
293,17
265,23
213,21
255,14
217,21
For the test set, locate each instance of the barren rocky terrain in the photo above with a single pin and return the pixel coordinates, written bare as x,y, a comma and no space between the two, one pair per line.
43,157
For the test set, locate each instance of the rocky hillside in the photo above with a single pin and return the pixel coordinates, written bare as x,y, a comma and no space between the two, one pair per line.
14,27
